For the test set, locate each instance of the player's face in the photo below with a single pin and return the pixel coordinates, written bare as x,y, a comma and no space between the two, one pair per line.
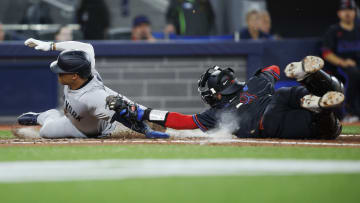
218,96
66,78
347,15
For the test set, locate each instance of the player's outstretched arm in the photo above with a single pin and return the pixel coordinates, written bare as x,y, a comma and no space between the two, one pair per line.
60,46
98,108
74,45
134,111
38,44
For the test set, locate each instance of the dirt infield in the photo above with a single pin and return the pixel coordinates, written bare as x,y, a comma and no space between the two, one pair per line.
342,141
131,139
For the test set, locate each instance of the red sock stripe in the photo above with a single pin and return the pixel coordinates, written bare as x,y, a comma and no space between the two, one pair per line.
180,121
274,70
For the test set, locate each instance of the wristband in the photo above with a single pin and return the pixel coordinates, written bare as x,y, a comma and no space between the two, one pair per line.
53,46
156,116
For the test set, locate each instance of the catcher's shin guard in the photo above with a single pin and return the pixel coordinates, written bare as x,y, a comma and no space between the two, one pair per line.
308,72
320,82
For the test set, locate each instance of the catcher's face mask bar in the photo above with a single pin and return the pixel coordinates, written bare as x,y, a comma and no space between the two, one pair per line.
207,95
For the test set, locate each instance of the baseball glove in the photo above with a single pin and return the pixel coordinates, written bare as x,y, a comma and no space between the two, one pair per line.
130,114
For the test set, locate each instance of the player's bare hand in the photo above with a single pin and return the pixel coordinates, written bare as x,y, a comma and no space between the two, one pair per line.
38,44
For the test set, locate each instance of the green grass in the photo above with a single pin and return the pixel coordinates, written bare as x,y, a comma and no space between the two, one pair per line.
352,130
311,188
172,152
6,134
299,188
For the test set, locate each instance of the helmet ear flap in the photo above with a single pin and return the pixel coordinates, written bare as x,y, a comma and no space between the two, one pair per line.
227,72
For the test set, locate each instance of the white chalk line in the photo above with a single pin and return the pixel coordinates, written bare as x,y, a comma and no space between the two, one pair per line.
30,171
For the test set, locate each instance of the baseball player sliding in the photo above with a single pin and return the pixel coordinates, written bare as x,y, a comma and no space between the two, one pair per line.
85,112
253,108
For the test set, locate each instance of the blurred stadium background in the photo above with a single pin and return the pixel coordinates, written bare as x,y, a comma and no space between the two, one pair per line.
161,74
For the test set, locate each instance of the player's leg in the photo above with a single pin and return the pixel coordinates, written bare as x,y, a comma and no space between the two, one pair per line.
32,118
53,124
287,116
284,117
56,125
308,72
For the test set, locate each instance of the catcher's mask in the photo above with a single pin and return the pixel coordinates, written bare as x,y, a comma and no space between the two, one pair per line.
215,80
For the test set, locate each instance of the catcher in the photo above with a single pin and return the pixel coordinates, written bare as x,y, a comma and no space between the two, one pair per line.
253,109
85,113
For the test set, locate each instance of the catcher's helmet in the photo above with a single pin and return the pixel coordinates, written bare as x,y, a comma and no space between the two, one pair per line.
216,80
71,61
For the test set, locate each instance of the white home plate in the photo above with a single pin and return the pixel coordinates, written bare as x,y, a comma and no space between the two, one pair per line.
120,169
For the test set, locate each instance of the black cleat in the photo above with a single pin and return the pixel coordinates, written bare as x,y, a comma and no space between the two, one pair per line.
29,118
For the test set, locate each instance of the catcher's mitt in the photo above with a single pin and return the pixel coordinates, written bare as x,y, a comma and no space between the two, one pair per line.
127,114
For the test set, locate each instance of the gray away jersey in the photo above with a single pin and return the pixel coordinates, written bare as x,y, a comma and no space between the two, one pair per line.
86,108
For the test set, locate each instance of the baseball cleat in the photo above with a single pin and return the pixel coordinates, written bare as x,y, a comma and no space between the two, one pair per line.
29,118
300,70
327,101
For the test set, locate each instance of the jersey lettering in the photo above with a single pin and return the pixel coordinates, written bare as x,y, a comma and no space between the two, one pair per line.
247,98
70,110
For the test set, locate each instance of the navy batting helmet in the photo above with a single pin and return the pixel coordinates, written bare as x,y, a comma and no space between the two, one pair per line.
216,80
71,61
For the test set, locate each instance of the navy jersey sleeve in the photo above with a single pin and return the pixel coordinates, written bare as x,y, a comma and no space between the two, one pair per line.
205,120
